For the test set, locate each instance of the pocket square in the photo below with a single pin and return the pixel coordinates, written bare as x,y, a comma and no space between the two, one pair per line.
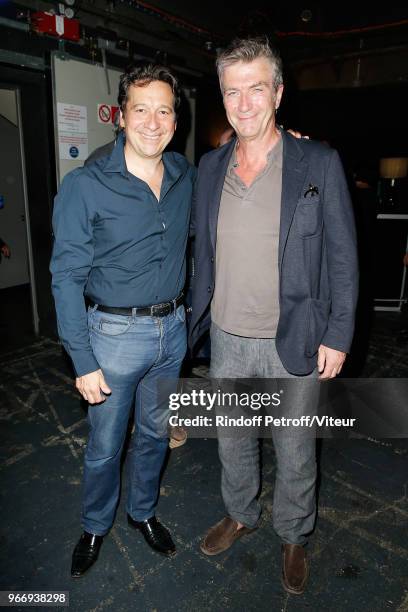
311,191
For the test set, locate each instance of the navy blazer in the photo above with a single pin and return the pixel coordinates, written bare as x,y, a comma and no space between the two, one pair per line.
318,270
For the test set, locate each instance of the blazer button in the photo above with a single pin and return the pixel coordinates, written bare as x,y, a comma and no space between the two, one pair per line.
209,289
212,259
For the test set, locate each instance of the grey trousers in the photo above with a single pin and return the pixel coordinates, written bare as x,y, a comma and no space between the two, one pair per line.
294,501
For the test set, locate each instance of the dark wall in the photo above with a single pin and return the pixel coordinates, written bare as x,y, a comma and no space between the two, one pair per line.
363,123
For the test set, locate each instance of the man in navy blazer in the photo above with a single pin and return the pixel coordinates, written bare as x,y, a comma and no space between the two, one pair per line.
275,282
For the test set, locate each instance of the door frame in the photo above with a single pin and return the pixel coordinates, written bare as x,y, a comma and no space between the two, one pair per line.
31,267
35,118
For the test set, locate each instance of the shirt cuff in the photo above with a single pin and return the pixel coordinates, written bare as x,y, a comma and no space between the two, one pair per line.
84,362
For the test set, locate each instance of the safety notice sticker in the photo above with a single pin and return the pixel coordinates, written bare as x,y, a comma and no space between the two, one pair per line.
72,131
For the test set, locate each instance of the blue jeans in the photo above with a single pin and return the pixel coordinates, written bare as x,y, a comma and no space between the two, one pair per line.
134,353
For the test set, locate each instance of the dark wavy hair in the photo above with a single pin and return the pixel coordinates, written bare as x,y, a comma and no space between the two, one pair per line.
144,75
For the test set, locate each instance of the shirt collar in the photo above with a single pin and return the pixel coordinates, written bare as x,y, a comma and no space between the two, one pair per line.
233,159
116,161
273,157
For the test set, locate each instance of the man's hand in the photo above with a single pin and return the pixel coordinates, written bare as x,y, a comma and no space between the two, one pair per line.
90,387
329,362
5,250
297,134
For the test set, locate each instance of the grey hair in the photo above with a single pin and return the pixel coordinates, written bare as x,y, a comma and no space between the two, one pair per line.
247,50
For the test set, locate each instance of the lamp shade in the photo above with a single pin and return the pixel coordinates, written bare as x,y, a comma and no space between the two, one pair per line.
393,167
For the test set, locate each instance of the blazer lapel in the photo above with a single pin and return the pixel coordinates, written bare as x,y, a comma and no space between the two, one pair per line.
293,176
218,170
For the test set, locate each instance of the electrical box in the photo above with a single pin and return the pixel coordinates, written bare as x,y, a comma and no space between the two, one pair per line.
55,25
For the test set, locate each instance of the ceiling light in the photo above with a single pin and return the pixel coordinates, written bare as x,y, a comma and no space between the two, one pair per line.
306,15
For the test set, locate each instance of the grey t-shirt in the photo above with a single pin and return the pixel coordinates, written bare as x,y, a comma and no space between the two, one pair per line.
246,296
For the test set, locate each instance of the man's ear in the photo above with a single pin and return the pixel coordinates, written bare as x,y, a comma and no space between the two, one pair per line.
278,98
121,120
175,125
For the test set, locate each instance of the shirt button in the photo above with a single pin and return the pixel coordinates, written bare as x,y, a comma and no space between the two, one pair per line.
164,225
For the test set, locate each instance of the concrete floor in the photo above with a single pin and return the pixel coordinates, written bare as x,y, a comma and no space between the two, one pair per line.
359,552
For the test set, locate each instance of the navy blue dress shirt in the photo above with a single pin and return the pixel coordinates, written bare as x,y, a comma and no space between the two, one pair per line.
116,243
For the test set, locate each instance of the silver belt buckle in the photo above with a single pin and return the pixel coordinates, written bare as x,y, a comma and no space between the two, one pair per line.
166,309
156,308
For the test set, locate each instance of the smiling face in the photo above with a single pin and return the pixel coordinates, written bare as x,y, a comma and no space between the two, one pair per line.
149,119
250,97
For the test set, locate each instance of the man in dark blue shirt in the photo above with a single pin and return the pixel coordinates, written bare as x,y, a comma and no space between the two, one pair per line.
121,227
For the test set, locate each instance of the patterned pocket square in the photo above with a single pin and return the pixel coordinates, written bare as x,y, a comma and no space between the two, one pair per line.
311,191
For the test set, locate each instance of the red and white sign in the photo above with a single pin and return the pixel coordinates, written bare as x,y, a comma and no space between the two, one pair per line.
107,113
44,22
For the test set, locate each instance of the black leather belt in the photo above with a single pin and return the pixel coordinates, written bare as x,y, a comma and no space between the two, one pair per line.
157,310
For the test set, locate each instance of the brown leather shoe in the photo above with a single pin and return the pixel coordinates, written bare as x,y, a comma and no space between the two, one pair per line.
295,570
222,535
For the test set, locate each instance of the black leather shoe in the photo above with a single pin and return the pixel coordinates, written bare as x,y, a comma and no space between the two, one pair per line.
156,535
85,553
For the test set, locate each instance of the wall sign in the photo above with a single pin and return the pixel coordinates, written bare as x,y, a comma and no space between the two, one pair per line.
107,113
72,131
